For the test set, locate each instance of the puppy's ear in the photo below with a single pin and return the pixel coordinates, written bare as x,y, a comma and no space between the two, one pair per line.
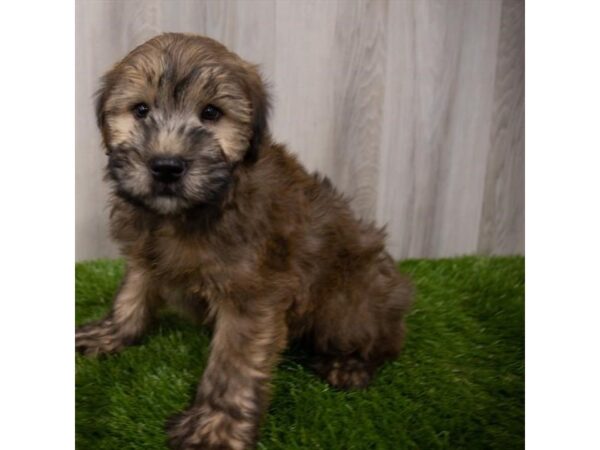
261,106
101,96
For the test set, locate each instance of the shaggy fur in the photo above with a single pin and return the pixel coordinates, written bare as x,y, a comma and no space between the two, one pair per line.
245,240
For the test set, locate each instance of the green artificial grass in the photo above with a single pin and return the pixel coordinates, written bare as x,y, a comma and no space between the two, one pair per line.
458,384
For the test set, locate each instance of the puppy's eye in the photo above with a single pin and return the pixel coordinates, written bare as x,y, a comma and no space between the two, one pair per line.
141,110
211,113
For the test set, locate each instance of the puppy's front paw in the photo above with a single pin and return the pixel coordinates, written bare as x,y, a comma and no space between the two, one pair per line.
97,337
203,428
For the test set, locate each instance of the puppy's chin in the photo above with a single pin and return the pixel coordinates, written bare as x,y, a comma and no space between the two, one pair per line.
166,204
172,202
156,204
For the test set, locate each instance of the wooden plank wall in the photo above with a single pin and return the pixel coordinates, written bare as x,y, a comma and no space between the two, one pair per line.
414,108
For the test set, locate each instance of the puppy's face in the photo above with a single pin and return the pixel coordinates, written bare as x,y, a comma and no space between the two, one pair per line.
177,115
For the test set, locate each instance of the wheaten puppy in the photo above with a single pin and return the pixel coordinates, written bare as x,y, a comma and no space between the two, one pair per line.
214,216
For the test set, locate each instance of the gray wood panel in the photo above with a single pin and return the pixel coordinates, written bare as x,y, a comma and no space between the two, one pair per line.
413,108
502,224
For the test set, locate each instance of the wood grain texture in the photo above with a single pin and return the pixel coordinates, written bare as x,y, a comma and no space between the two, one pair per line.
502,229
413,108
302,83
91,227
358,71
439,95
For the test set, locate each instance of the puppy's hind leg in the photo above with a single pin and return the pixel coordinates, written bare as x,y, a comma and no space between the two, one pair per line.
362,328
352,364
131,313
345,371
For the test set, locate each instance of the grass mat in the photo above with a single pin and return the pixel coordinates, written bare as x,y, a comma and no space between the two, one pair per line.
458,384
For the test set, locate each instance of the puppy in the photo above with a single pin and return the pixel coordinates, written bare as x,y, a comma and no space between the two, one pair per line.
213,216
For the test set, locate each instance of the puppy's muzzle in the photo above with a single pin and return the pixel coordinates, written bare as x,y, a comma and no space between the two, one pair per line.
167,170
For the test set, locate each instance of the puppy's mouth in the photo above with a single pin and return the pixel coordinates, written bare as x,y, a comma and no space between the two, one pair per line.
162,189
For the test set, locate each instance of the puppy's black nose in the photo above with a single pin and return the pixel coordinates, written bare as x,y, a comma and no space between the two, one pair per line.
167,169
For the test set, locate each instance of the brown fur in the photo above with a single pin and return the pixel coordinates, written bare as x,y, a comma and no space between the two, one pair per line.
260,249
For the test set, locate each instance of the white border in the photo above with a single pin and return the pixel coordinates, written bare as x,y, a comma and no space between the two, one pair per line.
37,235
563,224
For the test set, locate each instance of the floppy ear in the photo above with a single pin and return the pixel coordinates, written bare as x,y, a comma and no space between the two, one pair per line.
261,106
101,95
